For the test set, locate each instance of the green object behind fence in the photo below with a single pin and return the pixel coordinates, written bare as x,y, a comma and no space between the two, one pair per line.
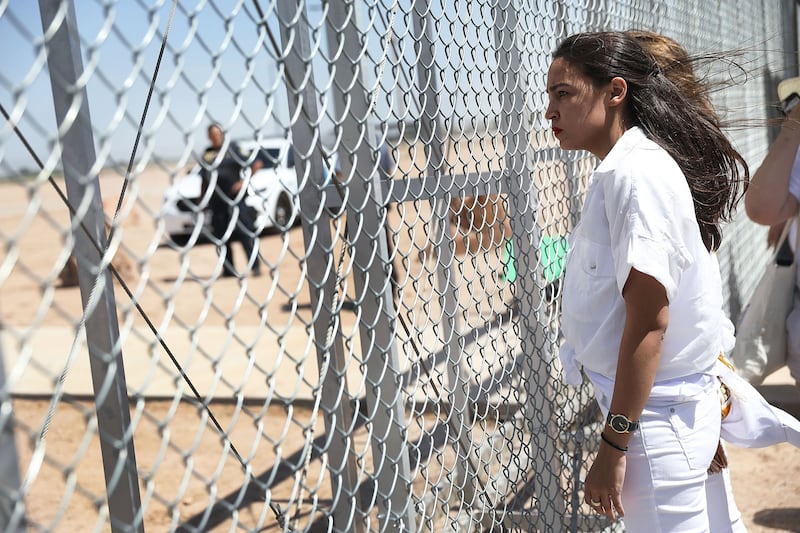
554,256
553,251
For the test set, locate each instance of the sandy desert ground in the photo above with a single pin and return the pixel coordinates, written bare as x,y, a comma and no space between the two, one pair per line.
766,482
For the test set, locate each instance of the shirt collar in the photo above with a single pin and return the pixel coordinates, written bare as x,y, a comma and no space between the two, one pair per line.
624,145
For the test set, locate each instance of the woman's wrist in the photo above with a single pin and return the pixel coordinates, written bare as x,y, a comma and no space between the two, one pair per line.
611,443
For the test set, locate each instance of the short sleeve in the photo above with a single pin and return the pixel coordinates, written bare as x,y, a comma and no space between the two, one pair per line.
794,180
659,258
649,222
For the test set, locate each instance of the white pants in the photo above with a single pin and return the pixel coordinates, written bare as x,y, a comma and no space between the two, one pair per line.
667,488
722,511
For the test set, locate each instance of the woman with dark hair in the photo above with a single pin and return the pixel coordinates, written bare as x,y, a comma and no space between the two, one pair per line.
678,66
642,301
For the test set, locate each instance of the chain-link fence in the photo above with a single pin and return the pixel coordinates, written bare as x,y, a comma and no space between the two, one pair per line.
387,361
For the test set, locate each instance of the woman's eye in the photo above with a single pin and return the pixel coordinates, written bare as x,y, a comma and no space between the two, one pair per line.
561,93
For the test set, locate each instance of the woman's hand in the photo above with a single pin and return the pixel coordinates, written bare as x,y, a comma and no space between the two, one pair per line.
774,233
604,482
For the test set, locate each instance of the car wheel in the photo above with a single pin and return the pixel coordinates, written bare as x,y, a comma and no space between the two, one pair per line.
283,212
180,240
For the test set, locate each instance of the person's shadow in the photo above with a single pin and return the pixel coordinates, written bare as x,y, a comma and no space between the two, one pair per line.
785,519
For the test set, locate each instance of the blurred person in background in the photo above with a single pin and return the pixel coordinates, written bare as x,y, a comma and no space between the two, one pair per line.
231,218
772,200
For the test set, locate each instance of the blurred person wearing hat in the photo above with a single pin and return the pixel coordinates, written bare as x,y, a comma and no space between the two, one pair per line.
773,199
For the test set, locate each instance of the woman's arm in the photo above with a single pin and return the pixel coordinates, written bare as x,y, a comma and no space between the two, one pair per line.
767,200
646,319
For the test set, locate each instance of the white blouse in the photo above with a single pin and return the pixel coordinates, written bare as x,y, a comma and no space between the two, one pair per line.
638,213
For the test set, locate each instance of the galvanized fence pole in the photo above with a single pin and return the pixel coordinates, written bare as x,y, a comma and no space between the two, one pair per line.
320,272
366,212
12,499
540,407
70,99
789,18
433,136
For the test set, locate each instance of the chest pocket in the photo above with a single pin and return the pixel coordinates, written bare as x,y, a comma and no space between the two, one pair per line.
590,284
592,259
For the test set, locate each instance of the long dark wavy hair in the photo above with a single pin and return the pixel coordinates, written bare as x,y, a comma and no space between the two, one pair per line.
673,117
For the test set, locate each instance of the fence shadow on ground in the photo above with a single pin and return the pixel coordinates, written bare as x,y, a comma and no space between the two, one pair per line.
427,443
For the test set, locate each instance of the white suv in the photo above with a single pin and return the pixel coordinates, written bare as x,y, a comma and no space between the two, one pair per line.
272,193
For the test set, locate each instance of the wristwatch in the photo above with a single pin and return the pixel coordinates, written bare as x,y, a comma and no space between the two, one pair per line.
621,423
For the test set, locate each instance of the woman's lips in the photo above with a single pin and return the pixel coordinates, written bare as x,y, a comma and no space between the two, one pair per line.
557,131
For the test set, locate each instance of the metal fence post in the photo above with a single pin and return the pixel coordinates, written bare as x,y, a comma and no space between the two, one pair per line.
366,205
12,499
70,100
458,374
540,407
307,147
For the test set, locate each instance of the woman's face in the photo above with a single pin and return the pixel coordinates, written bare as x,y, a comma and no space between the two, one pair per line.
578,110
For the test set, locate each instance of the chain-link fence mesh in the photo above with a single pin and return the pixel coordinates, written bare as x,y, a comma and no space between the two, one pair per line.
388,360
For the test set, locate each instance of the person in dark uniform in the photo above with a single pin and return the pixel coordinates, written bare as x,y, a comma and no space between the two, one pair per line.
224,173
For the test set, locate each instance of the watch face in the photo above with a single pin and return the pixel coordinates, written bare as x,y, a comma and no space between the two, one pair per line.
619,424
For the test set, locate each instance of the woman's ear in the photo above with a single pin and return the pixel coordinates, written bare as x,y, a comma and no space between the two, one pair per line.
619,91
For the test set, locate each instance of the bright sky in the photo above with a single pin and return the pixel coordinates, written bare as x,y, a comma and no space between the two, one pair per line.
203,76
219,67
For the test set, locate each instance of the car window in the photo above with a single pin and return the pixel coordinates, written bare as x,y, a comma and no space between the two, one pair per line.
269,157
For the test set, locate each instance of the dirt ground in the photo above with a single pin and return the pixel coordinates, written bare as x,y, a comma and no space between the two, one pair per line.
65,477
766,482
